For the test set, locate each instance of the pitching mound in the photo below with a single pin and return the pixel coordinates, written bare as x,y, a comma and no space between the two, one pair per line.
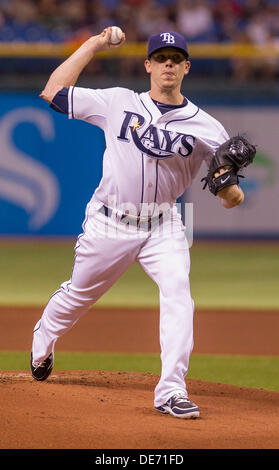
114,410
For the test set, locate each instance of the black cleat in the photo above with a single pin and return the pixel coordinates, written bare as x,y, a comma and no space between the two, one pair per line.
41,370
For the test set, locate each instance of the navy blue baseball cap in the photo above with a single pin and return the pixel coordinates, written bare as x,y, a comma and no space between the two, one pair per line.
168,39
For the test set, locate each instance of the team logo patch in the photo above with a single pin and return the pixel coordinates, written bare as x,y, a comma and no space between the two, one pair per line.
154,141
167,38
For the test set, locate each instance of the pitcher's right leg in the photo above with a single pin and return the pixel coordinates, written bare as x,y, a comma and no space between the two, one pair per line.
99,262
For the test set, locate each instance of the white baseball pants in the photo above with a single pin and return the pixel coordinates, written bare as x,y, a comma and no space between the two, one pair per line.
103,252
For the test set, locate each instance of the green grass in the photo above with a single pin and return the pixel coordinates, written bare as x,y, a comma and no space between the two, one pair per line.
222,275
235,275
244,371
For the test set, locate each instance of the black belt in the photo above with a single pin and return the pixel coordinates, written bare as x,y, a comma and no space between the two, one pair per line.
145,224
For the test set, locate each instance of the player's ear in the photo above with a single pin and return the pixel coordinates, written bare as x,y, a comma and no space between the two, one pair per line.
187,67
147,65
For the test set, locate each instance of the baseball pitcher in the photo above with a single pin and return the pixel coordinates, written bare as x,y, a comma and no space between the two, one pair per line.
156,142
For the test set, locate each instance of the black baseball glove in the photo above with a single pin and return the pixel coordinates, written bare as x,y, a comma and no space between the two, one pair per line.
232,155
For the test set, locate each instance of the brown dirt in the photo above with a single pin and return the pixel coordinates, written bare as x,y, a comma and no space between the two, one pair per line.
136,330
114,410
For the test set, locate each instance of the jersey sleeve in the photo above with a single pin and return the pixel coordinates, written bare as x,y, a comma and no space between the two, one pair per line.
215,143
90,105
60,101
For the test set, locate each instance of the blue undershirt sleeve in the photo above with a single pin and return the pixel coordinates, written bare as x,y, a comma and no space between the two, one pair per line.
60,101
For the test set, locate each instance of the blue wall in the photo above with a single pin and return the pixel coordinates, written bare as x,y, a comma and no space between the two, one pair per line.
49,167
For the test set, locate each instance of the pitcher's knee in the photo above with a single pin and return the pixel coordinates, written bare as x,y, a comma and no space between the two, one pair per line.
175,286
72,299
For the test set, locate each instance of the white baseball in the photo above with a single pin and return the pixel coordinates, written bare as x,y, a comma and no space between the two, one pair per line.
116,35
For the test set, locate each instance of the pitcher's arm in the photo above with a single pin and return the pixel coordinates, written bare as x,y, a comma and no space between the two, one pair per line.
66,74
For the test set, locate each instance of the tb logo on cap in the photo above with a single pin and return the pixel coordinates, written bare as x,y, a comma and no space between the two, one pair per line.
168,38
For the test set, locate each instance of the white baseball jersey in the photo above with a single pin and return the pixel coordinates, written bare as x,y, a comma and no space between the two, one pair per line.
150,157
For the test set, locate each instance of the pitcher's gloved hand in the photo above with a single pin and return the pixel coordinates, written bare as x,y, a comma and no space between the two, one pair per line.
232,155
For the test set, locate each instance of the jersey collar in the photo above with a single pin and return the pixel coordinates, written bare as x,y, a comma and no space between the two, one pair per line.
180,113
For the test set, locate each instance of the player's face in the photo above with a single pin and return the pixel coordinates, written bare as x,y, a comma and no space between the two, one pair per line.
167,68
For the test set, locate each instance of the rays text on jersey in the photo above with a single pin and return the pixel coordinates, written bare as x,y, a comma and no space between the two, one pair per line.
155,141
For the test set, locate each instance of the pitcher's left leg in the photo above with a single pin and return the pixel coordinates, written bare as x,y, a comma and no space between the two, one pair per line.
166,260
